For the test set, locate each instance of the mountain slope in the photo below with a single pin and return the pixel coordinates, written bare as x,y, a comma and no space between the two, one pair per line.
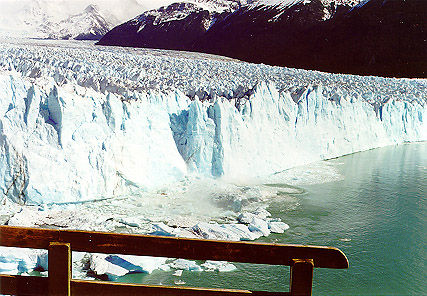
384,38
175,26
260,33
375,37
379,37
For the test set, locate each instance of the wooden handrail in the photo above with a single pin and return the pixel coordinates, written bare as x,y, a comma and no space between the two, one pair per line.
302,259
31,285
173,247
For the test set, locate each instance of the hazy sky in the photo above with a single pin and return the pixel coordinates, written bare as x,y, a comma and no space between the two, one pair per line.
121,9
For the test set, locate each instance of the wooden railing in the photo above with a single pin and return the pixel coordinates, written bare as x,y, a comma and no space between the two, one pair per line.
60,243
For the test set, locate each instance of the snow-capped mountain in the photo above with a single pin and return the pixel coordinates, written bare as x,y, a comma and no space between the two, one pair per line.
25,19
187,25
66,18
371,37
179,25
88,25
170,27
326,9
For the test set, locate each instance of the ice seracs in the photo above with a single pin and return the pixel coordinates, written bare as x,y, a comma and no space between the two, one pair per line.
75,127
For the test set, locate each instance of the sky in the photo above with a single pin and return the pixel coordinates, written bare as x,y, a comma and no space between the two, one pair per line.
123,10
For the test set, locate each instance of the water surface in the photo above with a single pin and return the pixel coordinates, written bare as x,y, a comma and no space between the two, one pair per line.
376,214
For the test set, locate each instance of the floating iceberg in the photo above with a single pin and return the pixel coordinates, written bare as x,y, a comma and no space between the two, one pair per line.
14,260
184,264
220,266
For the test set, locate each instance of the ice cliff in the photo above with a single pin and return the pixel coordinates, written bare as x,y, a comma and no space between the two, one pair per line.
72,131
270,132
61,145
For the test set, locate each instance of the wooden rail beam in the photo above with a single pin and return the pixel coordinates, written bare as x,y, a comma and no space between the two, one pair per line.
113,289
31,285
23,285
172,247
302,260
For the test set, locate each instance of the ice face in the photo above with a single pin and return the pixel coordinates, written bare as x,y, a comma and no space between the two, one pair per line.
81,123
61,146
269,132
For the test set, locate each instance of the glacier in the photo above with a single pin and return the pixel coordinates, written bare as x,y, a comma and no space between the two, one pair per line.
80,123
174,143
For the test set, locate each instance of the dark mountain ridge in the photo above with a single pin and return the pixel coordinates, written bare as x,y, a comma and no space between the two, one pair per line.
376,37
176,26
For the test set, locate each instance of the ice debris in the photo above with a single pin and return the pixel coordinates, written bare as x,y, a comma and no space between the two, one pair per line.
220,266
184,264
98,265
247,226
107,267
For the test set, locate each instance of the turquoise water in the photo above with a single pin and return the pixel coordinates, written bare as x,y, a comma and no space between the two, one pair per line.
376,214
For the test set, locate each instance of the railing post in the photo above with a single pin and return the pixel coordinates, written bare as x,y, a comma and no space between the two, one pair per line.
301,277
59,269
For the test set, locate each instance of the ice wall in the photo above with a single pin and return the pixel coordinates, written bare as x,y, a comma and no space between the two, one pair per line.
79,122
270,132
62,144
70,143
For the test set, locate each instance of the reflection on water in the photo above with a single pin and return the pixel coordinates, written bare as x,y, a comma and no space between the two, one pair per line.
376,214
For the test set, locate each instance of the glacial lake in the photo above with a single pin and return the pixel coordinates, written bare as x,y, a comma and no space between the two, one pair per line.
375,213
